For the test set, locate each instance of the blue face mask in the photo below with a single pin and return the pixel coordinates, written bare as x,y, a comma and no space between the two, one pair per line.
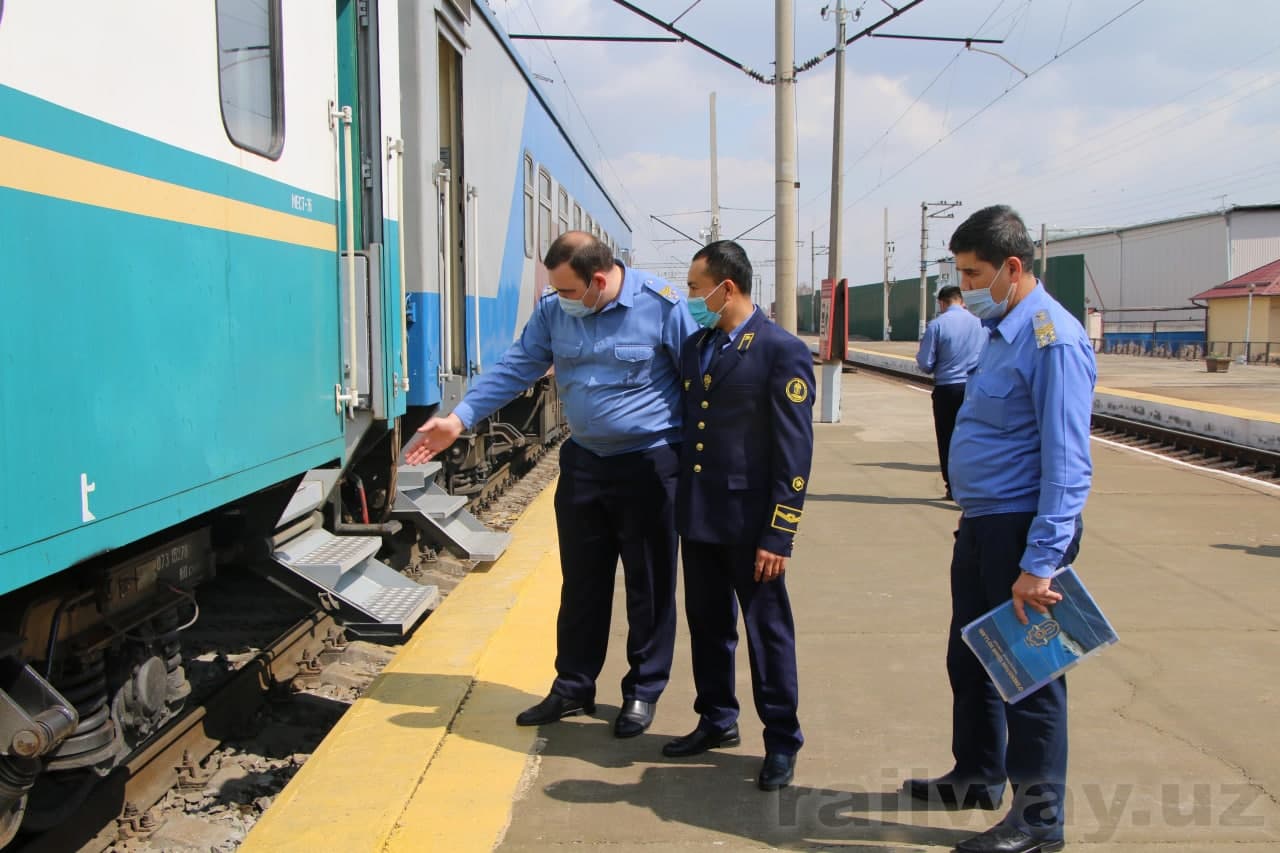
982,305
575,308
702,315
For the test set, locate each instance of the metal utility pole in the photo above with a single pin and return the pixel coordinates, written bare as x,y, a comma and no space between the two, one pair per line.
829,378
785,168
1044,253
1248,326
925,216
715,183
888,251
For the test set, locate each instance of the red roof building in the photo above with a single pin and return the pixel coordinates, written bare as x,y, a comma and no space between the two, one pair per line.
1265,280
1244,314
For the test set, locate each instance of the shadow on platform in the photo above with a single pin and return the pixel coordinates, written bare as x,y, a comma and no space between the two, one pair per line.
885,500
902,466
716,792
1253,550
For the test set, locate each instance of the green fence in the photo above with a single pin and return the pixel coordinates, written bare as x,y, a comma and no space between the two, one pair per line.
1065,282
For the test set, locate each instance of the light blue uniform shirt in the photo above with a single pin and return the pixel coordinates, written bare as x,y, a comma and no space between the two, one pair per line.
951,345
617,370
1021,442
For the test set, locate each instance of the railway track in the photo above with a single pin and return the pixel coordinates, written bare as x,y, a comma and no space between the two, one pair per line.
117,808
129,809
1188,448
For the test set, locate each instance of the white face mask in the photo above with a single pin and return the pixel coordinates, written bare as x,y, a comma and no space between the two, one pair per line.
980,302
575,308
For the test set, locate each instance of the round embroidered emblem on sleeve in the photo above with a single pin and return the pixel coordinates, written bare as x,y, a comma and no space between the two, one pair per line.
798,483
797,390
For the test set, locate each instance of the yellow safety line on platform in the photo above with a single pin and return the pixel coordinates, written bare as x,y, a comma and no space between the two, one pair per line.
1230,411
430,757
32,169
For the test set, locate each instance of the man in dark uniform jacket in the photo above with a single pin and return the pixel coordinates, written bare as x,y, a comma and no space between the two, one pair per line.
748,444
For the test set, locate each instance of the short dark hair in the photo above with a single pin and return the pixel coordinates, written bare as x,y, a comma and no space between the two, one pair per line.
995,234
726,259
583,253
949,294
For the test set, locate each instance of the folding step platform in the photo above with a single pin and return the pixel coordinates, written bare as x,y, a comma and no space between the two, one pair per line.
370,597
441,516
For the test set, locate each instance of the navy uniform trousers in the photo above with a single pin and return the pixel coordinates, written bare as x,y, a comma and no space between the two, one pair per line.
611,507
1026,742
946,405
717,579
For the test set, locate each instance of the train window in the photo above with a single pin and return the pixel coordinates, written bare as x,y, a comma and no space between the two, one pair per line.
586,223
577,216
564,212
528,206
250,74
544,211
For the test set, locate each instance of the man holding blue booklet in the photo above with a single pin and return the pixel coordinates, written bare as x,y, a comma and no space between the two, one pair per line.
1020,471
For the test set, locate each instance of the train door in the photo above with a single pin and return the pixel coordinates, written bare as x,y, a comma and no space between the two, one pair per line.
453,202
357,119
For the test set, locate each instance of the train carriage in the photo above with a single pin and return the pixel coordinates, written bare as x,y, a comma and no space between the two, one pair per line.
249,244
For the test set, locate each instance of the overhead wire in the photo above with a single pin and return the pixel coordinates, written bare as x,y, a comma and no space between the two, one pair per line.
994,101
884,135
586,121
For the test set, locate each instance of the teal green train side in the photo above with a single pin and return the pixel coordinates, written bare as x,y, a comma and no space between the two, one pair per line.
155,368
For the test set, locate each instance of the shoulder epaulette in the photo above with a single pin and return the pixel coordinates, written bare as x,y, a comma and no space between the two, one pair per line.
1046,334
663,289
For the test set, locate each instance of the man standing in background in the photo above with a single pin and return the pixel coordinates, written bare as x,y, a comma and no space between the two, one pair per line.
949,352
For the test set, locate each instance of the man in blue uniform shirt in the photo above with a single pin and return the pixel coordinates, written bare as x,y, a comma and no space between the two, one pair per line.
613,335
1020,471
949,350
748,445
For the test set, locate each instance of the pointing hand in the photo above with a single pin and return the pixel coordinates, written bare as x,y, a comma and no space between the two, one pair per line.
433,437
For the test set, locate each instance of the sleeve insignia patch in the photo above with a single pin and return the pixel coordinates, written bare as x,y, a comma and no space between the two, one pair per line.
745,342
798,484
786,518
797,390
667,293
1045,333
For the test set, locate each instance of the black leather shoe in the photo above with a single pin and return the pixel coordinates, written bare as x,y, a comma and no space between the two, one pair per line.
700,740
634,718
776,772
1007,839
955,793
553,708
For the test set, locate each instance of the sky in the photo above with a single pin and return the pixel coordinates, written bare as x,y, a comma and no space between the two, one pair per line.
1095,113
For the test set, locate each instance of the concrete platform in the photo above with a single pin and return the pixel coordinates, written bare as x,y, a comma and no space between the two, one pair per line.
1255,386
1257,428
1173,730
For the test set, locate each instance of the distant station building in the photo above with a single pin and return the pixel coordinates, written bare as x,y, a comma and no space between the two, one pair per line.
1244,314
1142,278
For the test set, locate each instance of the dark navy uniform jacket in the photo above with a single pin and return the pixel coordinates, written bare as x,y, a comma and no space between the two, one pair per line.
748,438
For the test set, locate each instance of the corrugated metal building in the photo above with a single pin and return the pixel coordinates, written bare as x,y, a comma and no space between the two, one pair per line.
1164,264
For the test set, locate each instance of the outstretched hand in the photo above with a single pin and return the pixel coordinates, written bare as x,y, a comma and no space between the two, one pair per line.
433,437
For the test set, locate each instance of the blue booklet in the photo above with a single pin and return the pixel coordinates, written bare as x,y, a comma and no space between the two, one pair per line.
1023,658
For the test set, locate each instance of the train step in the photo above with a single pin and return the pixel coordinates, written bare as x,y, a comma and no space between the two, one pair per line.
430,500
441,516
371,598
